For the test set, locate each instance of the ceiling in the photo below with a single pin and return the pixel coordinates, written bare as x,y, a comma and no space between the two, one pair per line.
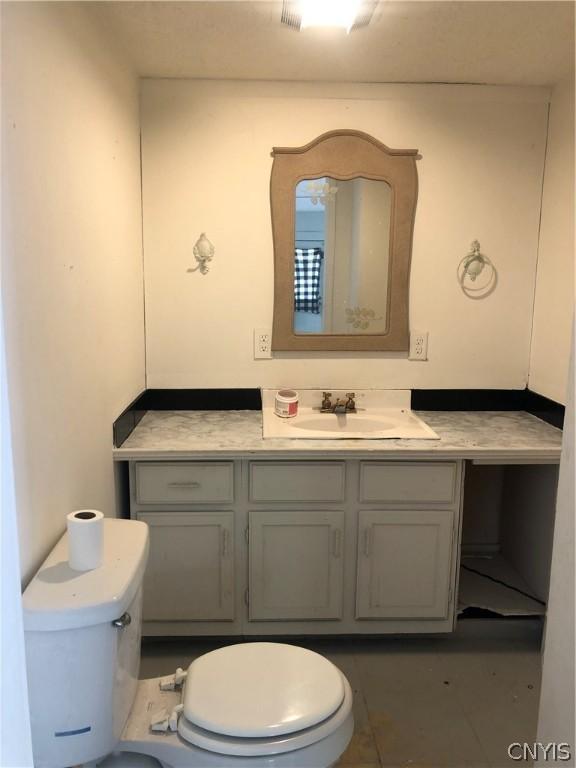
514,42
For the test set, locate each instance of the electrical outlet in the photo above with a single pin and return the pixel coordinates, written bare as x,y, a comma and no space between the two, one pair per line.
418,345
262,343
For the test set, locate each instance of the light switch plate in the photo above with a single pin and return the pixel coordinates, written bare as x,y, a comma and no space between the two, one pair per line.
418,345
262,343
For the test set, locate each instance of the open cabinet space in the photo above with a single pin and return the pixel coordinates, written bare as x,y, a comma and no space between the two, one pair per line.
507,532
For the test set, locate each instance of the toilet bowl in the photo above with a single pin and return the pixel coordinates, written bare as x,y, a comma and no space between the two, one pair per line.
243,706
246,705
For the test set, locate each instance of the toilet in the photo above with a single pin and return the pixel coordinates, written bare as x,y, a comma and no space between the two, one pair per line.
241,706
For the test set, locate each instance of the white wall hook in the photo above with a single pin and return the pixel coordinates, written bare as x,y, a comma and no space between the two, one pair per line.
203,253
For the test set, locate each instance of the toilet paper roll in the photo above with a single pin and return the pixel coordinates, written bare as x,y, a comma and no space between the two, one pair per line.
85,539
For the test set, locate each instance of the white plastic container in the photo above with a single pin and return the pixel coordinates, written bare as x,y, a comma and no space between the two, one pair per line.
286,403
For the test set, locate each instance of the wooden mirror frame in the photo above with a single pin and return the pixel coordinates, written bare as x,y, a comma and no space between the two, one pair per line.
343,154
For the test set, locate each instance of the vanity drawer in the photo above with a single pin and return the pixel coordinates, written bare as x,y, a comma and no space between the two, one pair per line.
293,481
405,483
184,482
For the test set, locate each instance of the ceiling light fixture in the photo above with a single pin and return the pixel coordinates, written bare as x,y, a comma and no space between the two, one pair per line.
345,14
329,13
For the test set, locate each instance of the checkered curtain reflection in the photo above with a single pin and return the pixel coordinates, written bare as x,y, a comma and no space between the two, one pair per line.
307,263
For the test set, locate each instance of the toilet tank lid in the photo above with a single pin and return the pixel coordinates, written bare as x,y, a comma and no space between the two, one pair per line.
60,598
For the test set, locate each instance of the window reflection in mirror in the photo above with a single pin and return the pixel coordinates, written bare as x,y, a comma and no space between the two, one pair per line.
341,256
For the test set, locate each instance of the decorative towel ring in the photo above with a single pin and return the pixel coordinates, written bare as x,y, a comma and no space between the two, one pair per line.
471,267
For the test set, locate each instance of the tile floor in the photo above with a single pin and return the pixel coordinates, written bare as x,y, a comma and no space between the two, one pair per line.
456,701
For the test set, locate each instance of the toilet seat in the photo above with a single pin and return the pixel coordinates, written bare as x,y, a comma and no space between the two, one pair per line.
261,690
178,750
262,698
259,747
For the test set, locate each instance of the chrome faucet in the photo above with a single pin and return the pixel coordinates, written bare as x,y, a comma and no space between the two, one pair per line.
340,406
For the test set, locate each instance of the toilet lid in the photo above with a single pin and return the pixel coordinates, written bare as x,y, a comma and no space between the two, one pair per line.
261,690
334,730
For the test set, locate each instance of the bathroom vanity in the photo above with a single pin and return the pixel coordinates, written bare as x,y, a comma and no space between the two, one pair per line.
277,537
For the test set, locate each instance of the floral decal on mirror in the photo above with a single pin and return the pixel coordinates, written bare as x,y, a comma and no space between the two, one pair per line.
361,317
321,190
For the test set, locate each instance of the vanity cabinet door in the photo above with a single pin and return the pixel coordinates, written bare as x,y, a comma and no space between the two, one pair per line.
296,565
404,564
190,571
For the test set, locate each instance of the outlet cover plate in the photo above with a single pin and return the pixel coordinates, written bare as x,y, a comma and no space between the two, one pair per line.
262,343
418,345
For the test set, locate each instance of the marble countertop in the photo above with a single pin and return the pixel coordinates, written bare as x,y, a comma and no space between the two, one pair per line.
505,436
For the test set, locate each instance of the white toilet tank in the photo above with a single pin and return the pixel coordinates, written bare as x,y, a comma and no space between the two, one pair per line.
82,668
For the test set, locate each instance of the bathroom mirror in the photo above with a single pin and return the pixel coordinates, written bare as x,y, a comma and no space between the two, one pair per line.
341,255
342,217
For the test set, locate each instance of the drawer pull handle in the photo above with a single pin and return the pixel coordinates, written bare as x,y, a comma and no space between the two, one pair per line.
185,484
337,542
225,540
367,541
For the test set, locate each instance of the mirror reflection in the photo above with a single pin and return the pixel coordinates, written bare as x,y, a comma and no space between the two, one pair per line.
341,256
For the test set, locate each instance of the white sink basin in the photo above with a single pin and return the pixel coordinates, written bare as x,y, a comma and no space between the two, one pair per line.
330,422
381,414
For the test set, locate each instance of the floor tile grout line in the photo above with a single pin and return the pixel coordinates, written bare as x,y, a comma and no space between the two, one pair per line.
365,700
464,713
440,659
473,729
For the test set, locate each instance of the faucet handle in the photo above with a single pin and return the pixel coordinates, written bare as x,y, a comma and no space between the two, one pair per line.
350,401
326,403
351,395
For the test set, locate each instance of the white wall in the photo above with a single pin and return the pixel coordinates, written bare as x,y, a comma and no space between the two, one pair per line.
71,258
206,167
556,716
554,301
15,737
